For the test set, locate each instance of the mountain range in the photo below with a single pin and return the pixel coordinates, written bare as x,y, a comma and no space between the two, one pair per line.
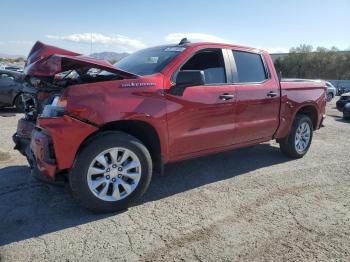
9,56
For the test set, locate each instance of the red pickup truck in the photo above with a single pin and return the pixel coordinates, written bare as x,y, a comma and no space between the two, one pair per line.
109,127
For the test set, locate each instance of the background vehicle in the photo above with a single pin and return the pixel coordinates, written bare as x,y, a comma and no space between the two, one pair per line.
342,86
343,105
11,85
343,89
331,91
110,131
11,68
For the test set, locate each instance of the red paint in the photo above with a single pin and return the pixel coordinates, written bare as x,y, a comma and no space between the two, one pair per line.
44,60
65,146
41,50
195,124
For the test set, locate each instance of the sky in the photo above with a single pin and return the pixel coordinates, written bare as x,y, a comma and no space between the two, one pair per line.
127,26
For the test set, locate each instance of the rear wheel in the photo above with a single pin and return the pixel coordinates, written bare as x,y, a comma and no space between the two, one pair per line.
298,141
111,172
329,97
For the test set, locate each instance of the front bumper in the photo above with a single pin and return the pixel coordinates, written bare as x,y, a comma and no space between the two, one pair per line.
41,146
53,143
22,138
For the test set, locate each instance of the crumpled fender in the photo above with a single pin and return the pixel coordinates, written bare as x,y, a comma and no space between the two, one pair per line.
139,99
67,134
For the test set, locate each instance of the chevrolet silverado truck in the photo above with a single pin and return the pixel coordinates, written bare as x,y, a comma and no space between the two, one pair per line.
108,128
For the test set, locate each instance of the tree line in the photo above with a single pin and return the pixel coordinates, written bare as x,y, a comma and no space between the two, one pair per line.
321,63
12,60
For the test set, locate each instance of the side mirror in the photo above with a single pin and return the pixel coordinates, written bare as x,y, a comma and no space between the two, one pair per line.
187,78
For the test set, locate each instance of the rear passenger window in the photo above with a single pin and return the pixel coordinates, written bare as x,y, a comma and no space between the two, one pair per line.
250,67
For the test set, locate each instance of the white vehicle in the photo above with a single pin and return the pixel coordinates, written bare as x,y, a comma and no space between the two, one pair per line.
11,68
331,91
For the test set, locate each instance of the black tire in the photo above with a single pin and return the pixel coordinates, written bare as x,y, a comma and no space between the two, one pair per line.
287,144
78,175
346,116
18,103
329,97
346,111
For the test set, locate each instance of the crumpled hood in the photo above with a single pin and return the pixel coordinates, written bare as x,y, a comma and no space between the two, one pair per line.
45,61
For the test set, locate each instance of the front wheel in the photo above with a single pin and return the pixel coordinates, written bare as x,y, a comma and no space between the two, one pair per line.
298,141
111,172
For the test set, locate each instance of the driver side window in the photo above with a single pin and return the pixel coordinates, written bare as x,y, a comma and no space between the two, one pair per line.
211,62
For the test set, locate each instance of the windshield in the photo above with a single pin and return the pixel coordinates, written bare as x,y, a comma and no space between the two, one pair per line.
149,61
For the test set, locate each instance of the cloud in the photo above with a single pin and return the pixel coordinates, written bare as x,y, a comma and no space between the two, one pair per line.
118,41
176,37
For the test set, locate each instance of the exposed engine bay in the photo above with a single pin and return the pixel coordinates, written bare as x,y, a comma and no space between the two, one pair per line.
49,70
40,91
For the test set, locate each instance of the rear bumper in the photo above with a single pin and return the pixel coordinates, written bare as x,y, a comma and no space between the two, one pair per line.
322,120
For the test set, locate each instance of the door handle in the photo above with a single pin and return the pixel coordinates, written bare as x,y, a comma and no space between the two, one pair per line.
271,94
226,96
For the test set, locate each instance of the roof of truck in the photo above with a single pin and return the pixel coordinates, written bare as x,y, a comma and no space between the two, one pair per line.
221,45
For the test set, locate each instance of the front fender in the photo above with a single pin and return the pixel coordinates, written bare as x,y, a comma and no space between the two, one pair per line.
106,102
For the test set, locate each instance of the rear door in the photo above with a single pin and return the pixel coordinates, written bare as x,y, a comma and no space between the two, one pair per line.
202,117
258,97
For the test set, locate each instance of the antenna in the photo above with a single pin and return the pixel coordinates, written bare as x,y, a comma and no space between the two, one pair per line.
184,41
91,43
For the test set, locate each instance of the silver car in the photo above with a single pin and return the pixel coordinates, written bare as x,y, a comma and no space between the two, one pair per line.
331,91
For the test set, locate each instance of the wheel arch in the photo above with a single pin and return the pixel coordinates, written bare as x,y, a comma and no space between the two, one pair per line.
287,119
311,111
141,130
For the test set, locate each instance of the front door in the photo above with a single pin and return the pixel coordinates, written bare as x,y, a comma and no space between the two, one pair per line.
202,117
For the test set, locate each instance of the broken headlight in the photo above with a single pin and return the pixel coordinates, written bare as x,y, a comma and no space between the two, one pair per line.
56,108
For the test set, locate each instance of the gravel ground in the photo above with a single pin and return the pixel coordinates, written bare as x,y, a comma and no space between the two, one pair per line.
250,204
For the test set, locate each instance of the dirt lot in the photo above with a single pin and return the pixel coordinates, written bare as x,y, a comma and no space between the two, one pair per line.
248,204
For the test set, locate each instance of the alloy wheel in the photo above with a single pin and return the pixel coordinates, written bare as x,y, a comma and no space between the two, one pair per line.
114,174
302,137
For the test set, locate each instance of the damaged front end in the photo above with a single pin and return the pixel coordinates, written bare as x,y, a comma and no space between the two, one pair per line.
33,101
41,134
